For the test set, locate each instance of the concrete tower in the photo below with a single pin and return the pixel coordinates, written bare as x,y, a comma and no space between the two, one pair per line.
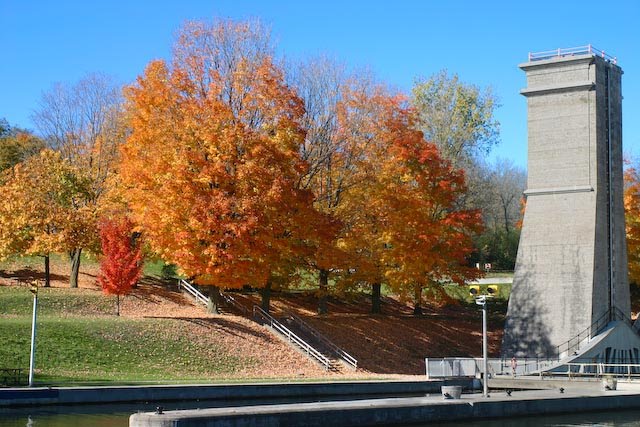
571,268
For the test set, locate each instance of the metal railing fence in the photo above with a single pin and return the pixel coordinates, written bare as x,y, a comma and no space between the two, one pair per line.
199,296
233,302
290,336
346,357
597,370
452,367
571,51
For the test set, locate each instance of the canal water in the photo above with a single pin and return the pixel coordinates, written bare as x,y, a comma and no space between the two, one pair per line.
118,416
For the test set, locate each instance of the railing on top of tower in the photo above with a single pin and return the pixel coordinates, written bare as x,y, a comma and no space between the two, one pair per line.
571,51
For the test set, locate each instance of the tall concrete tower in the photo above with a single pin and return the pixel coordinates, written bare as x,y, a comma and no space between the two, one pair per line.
571,268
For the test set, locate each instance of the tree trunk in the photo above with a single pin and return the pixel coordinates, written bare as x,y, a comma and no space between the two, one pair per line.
322,291
47,272
266,297
117,304
214,300
417,295
75,267
376,303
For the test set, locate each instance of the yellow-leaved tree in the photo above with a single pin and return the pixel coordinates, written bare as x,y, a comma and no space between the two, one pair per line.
47,208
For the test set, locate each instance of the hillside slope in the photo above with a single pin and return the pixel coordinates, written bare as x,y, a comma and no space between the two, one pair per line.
228,346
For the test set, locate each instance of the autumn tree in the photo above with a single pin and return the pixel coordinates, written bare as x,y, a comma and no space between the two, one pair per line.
632,221
407,223
121,263
16,145
212,165
84,122
334,147
46,207
459,118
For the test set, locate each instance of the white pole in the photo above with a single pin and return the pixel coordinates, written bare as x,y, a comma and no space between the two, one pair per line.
33,338
485,383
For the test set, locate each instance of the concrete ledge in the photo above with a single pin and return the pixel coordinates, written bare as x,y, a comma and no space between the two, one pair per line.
563,87
391,411
84,395
559,190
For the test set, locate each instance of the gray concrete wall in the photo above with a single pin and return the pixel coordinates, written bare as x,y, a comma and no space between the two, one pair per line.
385,412
561,282
14,397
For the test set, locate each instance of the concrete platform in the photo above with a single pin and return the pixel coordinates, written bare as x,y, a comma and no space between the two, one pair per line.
309,391
504,382
398,411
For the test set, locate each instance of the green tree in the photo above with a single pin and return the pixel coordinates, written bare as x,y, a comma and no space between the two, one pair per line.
457,117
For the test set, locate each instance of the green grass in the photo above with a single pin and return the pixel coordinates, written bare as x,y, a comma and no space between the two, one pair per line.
78,342
111,349
461,293
19,301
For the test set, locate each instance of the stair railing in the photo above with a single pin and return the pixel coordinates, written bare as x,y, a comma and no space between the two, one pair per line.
293,338
573,344
343,355
233,302
199,296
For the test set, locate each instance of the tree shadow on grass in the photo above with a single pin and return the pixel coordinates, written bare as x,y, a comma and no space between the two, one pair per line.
227,326
29,274
154,290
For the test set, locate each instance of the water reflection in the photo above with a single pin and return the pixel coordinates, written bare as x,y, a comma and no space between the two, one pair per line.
600,419
118,416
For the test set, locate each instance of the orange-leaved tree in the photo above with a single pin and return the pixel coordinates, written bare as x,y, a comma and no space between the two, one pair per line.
211,168
427,238
632,221
121,263
339,114
362,118
404,227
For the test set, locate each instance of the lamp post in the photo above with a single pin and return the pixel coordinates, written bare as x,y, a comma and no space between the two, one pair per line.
32,358
481,300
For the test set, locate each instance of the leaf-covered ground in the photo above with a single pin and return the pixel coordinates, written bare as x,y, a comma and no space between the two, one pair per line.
161,335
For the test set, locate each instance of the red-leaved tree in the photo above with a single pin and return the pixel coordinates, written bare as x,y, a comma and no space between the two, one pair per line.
121,264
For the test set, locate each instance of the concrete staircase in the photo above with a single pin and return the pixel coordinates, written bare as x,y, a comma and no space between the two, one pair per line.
301,336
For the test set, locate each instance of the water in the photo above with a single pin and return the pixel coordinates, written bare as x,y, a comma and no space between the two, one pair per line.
118,416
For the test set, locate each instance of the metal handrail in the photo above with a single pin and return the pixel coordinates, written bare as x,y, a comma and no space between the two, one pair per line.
232,301
600,369
574,342
595,328
457,367
199,296
571,51
346,357
286,332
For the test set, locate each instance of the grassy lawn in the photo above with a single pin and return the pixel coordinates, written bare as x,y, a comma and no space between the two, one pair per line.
78,341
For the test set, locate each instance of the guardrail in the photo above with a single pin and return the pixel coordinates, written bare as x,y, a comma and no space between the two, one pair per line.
286,332
343,355
233,302
597,370
199,296
571,51
456,367
575,343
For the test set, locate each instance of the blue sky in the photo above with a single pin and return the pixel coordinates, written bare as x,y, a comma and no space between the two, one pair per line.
44,42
